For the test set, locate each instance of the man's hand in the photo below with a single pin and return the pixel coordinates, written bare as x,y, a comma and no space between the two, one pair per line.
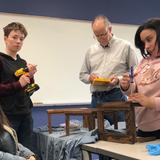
92,77
125,81
114,80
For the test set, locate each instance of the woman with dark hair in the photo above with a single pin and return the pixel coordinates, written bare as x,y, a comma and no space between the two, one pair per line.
154,26
145,89
10,149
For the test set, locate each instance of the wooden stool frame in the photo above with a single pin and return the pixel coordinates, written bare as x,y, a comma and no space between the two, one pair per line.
129,136
87,113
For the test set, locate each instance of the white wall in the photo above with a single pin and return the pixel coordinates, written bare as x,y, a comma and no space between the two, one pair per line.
58,47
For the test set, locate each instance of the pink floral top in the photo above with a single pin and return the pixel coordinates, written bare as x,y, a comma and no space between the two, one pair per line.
147,82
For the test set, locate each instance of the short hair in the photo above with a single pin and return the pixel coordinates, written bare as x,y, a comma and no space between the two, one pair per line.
99,17
14,26
153,24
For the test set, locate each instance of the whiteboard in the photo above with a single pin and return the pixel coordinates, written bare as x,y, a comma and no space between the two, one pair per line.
58,47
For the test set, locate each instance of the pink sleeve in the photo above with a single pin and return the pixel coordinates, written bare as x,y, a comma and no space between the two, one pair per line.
157,103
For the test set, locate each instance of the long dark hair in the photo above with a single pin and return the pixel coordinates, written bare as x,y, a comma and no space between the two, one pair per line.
153,24
3,120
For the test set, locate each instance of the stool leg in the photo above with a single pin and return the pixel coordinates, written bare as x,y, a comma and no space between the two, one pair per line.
67,124
115,120
100,122
85,121
131,127
49,123
91,120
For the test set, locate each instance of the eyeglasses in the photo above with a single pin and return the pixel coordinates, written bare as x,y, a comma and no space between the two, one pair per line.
101,35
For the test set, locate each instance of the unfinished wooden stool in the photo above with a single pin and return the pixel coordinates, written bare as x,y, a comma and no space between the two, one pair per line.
87,113
127,135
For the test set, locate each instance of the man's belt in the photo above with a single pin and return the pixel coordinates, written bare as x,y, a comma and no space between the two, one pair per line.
103,93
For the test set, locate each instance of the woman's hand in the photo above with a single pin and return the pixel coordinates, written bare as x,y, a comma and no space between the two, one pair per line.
125,82
31,158
145,101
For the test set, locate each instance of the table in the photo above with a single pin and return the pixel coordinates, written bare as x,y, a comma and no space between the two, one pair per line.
58,146
120,151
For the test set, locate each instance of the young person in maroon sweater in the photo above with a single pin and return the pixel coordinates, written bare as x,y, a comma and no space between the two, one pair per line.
15,102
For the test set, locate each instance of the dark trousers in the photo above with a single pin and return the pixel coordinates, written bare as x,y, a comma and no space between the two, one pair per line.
149,134
104,158
109,96
23,125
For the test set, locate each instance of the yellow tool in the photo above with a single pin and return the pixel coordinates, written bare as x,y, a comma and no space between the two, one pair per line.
21,71
101,81
31,88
